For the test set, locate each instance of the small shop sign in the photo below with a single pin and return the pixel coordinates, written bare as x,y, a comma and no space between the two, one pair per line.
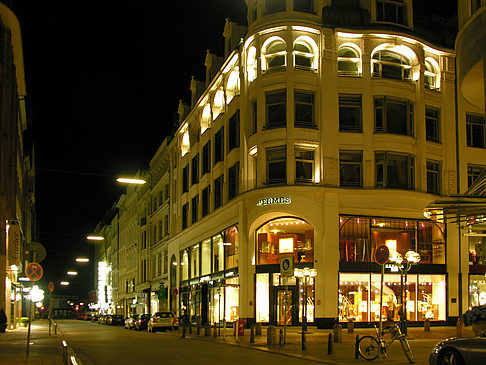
274,201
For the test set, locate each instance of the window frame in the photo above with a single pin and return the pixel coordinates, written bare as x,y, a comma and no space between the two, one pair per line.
233,181
304,161
381,14
281,104
219,146
194,209
278,6
234,131
349,60
385,163
275,60
305,9
385,128
404,64
206,201
218,191
433,168
195,169
475,123
304,104
349,101
432,122
206,159
278,180
185,179
350,162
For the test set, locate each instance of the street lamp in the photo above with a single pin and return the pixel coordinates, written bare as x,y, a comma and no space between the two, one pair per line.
305,273
94,237
125,180
64,283
72,273
82,259
411,258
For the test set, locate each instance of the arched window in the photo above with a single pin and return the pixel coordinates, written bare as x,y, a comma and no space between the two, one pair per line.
431,74
391,65
305,53
205,118
232,86
274,54
218,103
349,61
251,64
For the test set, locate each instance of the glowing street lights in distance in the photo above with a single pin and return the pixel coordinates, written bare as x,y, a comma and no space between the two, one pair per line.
64,283
93,237
82,259
130,181
72,273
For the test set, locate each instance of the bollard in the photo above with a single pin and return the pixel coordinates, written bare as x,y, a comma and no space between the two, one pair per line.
280,338
271,335
356,348
304,343
258,329
55,328
235,328
207,329
337,333
329,344
350,325
460,328
252,333
215,334
190,326
183,330
427,325
198,328
64,352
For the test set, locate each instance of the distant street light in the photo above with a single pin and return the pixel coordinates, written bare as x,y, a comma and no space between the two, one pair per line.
64,283
72,273
93,237
131,181
82,259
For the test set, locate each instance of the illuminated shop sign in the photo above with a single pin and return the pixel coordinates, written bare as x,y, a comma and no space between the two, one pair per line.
274,201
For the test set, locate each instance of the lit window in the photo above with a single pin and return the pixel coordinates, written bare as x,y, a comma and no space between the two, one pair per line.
349,62
232,86
304,165
205,118
274,54
304,54
391,65
251,64
431,74
218,103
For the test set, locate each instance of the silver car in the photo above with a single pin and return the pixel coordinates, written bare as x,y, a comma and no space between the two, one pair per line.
459,351
162,320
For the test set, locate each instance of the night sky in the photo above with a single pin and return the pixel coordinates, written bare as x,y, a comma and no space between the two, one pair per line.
104,79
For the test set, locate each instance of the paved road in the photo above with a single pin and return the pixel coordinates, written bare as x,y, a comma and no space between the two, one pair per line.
104,345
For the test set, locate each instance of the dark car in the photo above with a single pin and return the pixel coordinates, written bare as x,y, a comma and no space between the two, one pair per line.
116,320
130,321
141,322
459,351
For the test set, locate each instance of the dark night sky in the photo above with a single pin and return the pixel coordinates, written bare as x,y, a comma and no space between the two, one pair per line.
103,80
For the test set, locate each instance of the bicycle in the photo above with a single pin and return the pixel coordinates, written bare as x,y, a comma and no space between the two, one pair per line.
369,347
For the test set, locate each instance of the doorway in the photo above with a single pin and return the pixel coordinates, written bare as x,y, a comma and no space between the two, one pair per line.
285,306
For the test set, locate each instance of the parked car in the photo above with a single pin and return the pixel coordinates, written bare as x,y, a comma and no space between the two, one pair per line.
162,320
115,320
459,351
94,317
103,318
141,322
130,321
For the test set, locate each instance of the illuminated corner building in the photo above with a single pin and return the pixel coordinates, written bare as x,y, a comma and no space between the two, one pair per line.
17,213
323,133
471,76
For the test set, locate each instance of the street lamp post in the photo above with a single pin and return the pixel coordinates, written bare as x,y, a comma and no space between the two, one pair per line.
305,273
411,258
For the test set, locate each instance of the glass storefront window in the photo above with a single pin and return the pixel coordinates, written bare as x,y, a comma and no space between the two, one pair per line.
285,237
477,290
359,237
477,252
185,265
262,298
231,299
359,297
216,304
306,292
206,257
218,253
231,247
194,266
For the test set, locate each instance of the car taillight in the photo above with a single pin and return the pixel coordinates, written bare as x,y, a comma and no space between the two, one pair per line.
175,320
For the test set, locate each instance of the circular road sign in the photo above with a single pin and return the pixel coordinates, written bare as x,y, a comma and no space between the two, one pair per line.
51,286
175,291
34,271
382,254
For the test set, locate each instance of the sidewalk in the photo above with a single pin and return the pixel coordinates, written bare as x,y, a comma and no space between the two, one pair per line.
43,349
420,341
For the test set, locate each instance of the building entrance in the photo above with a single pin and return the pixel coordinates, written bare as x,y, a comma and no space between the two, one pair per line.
285,306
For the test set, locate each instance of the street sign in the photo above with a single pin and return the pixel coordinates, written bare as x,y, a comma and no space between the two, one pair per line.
175,291
34,271
382,254
51,286
287,266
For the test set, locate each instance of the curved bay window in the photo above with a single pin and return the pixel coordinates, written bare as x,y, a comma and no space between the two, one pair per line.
360,236
285,237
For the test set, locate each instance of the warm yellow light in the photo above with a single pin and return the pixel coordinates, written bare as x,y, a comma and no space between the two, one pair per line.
95,238
286,245
82,259
72,273
391,244
130,181
64,283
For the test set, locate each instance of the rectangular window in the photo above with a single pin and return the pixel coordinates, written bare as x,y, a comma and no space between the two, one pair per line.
219,146
305,6
304,165
254,106
218,192
432,124
194,208
473,173
304,109
206,158
277,165
185,179
393,116
166,225
475,130
392,11
234,131
233,180
275,6
351,169
433,177
195,169
185,215
276,104
394,171
205,200
159,230
350,113
166,261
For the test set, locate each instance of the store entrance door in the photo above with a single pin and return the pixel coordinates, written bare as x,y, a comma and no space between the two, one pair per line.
285,305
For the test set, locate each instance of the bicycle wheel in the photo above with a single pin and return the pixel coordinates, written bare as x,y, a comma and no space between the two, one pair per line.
368,347
407,350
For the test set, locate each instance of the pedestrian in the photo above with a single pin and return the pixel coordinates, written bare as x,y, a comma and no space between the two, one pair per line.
3,321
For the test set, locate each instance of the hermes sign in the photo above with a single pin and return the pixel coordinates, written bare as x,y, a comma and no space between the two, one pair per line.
274,201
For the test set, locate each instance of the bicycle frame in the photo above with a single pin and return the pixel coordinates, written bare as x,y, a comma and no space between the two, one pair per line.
390,329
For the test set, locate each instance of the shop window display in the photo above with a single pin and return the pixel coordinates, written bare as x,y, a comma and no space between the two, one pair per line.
262,297
477,290
218,253
285,237
359,297
231,247
360,236
231,292
477,252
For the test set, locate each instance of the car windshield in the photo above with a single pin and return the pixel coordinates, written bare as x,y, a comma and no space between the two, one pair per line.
163,315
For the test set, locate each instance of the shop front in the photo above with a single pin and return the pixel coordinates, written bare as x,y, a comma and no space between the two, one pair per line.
476,237
423,288
282,300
